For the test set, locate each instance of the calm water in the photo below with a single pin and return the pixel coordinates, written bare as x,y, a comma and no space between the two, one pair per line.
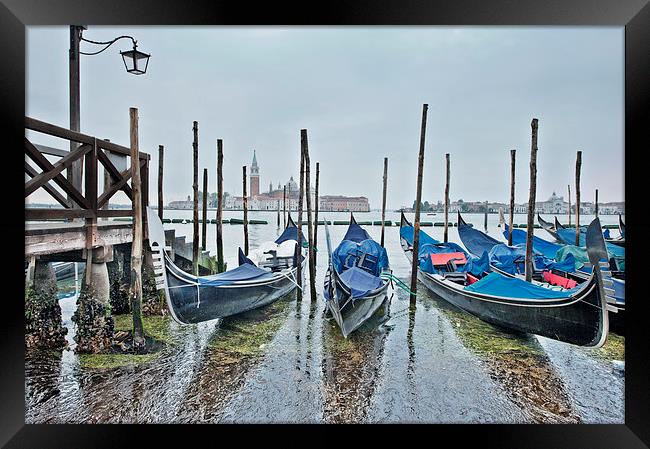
287,363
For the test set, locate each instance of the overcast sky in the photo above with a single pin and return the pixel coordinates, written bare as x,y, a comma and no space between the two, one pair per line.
359,91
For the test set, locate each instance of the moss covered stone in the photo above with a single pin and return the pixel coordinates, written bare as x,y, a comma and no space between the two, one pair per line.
43,324
95,327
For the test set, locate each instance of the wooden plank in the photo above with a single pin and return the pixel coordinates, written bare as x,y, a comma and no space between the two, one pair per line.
31,171
578,166
90,163
447,171
75,136
513,155
64,163
245,200
204,227
46,165
115,213
33,213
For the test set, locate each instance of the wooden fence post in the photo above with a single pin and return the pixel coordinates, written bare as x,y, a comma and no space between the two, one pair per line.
195,188
418,198
310,230
161,155
447,176
513,154
245,198
137,245
578,166
300,197
531,202
204,224
316,213
220,266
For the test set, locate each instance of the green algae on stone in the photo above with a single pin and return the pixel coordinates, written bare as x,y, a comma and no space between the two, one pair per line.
613,349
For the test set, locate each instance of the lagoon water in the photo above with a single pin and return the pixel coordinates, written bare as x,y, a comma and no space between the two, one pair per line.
287,363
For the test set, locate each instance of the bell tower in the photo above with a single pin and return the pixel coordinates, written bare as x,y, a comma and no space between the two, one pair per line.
255,177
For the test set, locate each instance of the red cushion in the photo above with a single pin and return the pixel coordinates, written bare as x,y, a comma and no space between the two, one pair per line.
471,279
443,258
555,279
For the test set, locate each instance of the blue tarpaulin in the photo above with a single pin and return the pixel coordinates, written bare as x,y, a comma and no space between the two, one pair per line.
406,232
619,290
474,240
499,285
549,249
350,253
243,259
568,236
511,259
243,272
360,282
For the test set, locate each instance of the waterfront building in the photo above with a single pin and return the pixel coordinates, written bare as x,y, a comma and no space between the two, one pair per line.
340,203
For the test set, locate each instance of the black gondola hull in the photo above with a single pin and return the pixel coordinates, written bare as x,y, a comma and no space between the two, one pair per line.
354,312
191,304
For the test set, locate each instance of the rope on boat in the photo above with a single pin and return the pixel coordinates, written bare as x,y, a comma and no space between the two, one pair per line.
397,282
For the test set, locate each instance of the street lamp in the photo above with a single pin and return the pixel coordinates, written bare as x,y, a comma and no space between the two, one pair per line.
135,62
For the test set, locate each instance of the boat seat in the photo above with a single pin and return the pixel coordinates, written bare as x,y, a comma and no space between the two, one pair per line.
456,276
276,263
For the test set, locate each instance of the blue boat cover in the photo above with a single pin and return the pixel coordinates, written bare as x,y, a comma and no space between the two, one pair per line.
243,272
606,234
243,259
476,241
360,282
511,259
475,266
499,285
356,233
619,290
289,233
406,232
568,236
349,253
549,249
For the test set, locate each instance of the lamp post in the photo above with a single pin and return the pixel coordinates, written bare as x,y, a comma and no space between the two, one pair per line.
135,62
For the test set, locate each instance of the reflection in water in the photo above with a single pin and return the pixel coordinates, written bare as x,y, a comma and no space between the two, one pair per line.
518,363
351,367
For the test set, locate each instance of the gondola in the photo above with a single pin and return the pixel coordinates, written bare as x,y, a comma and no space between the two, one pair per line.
616,299
193,299
577,316
548,227
355,286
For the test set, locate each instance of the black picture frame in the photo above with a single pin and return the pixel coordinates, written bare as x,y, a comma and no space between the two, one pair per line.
633,14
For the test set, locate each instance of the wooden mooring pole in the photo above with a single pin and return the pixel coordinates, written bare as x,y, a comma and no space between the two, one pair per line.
204,223
317,201
383,199
447,175
596,205
513,154
418,198
531,202
195,188
304,141
137,244
220,267
578,167
245,205
569,188
278,214
299,247
161,157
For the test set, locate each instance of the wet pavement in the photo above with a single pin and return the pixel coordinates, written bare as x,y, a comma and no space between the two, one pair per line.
288,363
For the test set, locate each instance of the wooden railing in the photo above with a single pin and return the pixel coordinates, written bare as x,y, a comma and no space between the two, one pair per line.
89,203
